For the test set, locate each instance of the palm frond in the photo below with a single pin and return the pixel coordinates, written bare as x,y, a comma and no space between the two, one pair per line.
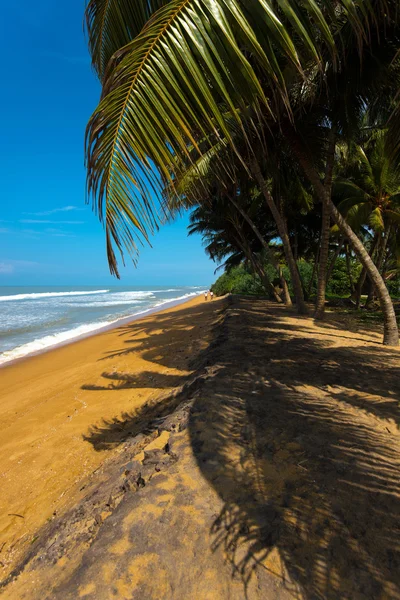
194,65
111,24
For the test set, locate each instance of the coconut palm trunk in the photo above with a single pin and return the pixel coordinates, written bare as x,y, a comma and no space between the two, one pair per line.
282,231
257,266
325,230
276,265
348,267
333,260
391,331
380,262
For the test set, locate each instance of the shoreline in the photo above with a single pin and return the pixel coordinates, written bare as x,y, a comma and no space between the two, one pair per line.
53,403
102,329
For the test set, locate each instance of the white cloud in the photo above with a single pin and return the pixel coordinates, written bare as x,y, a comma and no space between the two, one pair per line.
11,266
53,211
46,222
6,268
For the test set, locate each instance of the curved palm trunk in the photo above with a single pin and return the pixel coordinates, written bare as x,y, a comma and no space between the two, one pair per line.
380,262
283,282
268,286
363,275
391,331
294,273
256,265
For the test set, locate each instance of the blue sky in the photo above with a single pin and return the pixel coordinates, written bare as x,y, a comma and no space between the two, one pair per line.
47,234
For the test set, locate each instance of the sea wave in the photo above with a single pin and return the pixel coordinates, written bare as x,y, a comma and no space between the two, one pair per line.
184,297
49,341
114,299
18,327
165,291
100,304
38,295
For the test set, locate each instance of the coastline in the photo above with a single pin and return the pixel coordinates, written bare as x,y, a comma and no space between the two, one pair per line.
164,305
52,401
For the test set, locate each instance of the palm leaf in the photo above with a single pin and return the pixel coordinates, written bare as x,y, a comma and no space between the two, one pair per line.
111,24
376,220
177,81
359,215
393,216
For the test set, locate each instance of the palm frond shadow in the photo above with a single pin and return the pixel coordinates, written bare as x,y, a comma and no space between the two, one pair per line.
168,338
145,379
298,437
301,470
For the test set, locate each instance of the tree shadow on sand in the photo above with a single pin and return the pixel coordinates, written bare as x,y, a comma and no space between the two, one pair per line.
299,439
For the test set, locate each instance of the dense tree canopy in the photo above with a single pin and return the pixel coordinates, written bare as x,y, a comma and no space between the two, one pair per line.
266,116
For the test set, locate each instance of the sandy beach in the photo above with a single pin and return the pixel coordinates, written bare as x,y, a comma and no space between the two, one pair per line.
216,450
49,403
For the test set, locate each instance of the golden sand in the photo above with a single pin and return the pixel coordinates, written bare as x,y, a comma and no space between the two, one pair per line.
45,414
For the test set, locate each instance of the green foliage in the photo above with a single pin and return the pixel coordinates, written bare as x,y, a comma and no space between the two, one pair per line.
339,284
306,272
238,281
394,287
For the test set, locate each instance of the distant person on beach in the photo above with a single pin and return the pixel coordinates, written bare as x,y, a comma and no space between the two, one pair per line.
212,295
205,296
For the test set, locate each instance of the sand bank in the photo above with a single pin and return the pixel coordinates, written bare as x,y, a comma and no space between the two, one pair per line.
49,402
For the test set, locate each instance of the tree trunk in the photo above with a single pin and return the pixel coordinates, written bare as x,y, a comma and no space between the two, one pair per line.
359,286
381,251
333,261
297,286
361,280
348,267
391,332
256,264
309,290
269,287
325,229
286,295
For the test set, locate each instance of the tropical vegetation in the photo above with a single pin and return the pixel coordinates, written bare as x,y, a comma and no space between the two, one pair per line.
277,121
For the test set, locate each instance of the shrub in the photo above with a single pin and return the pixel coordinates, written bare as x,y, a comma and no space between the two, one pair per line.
238,281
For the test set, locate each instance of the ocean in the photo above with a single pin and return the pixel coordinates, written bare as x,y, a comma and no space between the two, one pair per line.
33,319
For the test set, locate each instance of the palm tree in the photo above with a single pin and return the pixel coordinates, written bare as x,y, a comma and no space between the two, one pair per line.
225,238
367,187
194,69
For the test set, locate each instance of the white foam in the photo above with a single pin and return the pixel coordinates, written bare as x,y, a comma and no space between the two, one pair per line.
164,291
188,295
49,341
139,294
99,304
49,295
